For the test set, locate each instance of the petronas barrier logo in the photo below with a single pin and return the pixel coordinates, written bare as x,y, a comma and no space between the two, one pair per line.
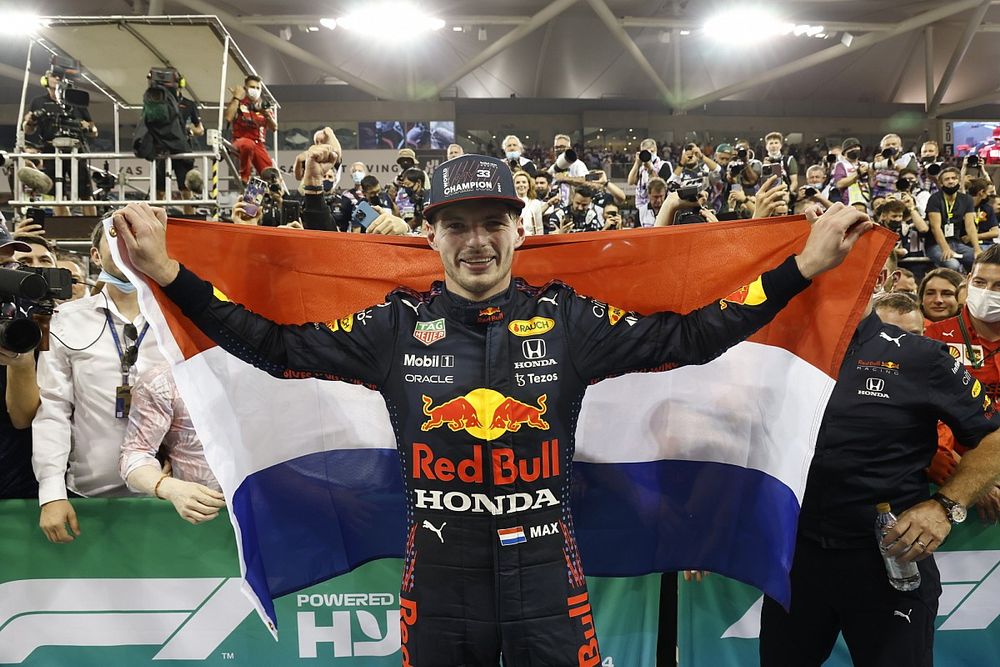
188,618
970,597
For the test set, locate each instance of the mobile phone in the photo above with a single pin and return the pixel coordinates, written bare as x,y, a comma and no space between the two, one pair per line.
253,196
592,177
291,211
769,170
364,215
37,216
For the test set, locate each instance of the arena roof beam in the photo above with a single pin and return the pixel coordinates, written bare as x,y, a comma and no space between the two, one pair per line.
949,109
279,44
957,55
609,20
551,11
540,65
833,52
905,56
929,65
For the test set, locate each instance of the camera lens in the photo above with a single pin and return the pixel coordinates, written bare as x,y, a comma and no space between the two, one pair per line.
20,335
831,158
972,160
810,192
903,185
934,169
645,156
742,154
888,152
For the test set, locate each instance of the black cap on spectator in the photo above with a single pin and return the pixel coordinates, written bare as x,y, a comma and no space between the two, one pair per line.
849,143
469,178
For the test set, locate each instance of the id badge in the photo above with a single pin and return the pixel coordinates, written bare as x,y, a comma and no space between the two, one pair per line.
123,401
949,230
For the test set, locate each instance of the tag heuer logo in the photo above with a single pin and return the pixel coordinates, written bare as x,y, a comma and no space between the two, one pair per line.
429,332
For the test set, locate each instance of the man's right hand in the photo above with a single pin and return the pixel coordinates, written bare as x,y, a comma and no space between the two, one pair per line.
241,217
947,253
238,92
832,236
54,517
28,226
144,230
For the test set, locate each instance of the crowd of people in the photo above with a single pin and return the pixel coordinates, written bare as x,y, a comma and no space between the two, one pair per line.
97,414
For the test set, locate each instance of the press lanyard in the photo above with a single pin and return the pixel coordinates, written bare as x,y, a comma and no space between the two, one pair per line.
123,393
949,208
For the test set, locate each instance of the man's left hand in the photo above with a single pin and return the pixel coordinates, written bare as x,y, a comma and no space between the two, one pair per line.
918,532
989,505
833,235
387,223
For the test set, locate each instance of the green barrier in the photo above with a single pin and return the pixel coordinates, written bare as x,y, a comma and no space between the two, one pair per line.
719,620
140,586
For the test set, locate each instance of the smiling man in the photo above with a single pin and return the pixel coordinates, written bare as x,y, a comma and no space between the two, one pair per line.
491,566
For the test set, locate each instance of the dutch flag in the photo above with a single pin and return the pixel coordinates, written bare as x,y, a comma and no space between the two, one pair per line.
509,536
695,468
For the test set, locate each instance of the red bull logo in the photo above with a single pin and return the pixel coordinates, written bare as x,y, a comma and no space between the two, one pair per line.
485,414
748,295
491,314
506,466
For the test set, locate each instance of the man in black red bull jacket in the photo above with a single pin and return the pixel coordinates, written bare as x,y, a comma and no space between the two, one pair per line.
483,377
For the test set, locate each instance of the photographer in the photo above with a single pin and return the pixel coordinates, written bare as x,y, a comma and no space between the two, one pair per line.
410,197
513,151
685,206
930,166
850,174
814,191
888,163
567,171
580,216
972,168
189,179
774,143
693,166
646,166
20,390
771,200
52,115
251,117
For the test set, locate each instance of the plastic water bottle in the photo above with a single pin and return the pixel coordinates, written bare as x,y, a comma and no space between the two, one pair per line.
902,576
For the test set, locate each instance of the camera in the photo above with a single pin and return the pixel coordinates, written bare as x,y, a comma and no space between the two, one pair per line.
972,160
810,191
28,296
831,158
736,167
62,123
904,184
934,168
888,152
741,154
645,156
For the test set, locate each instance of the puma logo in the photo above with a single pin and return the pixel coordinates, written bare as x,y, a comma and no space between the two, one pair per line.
949,334
891,339
415,308
550,299
902,615
437,531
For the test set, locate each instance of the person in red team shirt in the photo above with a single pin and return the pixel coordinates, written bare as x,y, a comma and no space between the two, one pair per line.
990,153
973,338
250,117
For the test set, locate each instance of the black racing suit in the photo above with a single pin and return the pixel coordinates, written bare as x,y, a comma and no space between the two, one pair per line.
484,399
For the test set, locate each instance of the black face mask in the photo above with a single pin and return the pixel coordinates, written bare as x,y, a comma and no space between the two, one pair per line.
949,190
853,155
374,199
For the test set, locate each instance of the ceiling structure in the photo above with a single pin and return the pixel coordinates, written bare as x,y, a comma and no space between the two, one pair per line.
657,51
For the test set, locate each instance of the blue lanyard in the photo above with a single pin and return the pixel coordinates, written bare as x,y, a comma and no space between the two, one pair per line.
118,344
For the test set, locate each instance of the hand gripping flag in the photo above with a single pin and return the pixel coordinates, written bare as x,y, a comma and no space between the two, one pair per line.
696,468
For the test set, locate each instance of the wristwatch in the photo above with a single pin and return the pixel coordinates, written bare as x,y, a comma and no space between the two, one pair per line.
956,512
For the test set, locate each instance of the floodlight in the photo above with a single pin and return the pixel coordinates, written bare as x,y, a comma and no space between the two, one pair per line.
372,18
328,23
20,23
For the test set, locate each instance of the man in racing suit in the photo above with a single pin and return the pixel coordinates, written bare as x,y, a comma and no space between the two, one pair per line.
483,377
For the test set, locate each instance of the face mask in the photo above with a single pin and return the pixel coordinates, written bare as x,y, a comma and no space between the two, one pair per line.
853,155
327,185
357,177
513,155
123,285
983,304
774,155
253,93
949,189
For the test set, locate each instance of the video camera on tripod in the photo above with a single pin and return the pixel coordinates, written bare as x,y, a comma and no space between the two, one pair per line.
62,118
27,299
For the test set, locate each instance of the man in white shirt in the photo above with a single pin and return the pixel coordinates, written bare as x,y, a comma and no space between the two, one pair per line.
574,176
641,173
98,347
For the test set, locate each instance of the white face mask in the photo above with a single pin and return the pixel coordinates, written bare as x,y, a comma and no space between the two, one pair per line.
357,177
253,93
774,155
983,304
